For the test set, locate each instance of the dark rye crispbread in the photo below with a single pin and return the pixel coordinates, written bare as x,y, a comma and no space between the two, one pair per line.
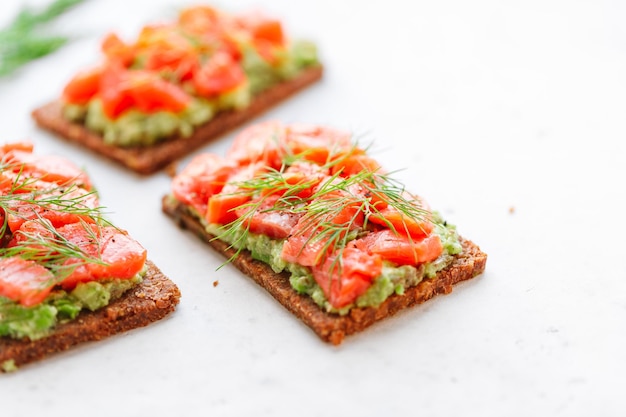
333,327
151,300
147,160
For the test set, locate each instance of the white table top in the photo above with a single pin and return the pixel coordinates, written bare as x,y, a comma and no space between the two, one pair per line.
509,119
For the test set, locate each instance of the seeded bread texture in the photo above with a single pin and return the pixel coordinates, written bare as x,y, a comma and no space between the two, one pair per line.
150,159
151,300
333,328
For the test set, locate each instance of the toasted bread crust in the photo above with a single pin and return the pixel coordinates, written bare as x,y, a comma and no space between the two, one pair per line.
151,300
147,160
332,327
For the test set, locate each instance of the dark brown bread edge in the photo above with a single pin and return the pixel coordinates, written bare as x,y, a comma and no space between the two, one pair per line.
154,298
332,327
147,160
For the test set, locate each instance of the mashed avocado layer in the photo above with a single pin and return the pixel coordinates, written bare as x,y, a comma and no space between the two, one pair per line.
35,322
394,279
134,128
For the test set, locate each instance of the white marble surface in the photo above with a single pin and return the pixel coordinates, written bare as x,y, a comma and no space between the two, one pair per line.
509,119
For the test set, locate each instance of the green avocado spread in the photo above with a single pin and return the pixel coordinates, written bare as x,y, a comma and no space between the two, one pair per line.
394,279
134,128
35,322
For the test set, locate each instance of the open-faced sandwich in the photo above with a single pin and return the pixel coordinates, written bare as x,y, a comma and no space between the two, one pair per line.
315,220
178,85
67,275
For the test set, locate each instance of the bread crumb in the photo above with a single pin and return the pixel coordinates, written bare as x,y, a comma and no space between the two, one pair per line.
511,209
215,283
171,169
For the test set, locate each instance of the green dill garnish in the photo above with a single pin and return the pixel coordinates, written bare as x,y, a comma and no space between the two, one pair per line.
319,211
52,250
19,41
27,201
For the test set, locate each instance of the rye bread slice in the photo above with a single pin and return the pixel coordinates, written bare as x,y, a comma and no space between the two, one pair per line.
148,160
333,328
151,300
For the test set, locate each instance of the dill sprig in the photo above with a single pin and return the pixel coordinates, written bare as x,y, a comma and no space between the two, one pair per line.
24,190
265,186
336,196
27,199
319,211
69,200
52,250
19,42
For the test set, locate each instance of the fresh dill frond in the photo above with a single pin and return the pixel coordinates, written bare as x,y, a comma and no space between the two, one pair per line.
27,198
71,200
320,210
52,250
259,189
19,41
